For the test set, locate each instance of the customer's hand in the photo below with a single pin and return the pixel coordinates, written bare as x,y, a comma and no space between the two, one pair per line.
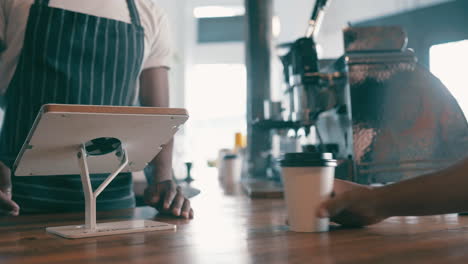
167,198
352,205
7,206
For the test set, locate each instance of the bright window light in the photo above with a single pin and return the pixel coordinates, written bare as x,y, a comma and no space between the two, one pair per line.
216,101
276,25
449,62
218,11
217,91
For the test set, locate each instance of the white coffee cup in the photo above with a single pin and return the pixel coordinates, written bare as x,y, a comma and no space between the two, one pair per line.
230,169
308,180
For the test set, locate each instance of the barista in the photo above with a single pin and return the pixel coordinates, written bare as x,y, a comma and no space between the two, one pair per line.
81,52
435,193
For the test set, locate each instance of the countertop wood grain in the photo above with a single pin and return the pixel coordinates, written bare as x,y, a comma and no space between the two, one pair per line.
232,228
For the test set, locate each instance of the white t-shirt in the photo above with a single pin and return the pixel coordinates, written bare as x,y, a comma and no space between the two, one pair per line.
14,16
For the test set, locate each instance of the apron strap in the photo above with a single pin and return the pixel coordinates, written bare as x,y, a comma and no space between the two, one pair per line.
133,12
43,2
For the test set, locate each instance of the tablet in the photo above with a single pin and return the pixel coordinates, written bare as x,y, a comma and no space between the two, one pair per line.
59,131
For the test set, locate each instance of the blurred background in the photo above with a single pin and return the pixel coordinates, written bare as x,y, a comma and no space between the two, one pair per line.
209,73
209,58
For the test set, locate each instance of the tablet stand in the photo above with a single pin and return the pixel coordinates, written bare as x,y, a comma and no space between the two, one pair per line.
90,196
91,229
124,148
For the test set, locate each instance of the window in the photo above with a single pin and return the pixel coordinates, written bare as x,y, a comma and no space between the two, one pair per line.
220,23
449,62
216,100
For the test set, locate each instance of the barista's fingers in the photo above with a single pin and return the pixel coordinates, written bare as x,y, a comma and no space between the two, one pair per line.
171,193
152,195
6,190
5,180
186,209
333,206
177,204
191,214
7,205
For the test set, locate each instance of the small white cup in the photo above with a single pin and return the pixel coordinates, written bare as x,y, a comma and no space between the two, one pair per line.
308,180
230,169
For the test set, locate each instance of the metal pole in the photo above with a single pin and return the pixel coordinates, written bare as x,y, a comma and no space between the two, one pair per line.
259,15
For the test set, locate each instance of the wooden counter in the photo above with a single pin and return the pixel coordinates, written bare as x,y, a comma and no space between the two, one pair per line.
235,229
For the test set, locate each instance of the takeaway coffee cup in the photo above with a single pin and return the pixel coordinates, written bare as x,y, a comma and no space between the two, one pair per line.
230,169
308,180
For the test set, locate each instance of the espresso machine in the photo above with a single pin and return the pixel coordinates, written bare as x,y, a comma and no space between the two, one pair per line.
316,105
383,116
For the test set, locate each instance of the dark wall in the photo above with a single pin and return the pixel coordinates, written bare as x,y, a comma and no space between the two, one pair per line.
429,26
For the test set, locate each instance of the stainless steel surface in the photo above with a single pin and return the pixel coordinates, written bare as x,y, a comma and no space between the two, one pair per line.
301,62
319,100
317,106
272,110
316,18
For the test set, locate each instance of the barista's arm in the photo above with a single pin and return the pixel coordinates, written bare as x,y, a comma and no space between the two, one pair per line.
7,205
2,32
2,46
154,91
5,8
164,195
436,193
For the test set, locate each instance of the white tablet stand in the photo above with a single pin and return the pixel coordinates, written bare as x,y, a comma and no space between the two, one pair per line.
48,152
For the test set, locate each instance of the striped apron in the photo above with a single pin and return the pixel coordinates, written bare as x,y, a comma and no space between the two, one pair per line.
70,58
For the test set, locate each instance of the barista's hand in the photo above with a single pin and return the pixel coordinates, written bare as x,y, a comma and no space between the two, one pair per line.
352,205
167,198
7,206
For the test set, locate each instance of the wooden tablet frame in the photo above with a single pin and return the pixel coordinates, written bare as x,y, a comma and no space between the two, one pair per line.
59,141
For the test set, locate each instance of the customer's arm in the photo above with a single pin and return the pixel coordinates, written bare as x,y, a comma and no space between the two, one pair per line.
442,192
